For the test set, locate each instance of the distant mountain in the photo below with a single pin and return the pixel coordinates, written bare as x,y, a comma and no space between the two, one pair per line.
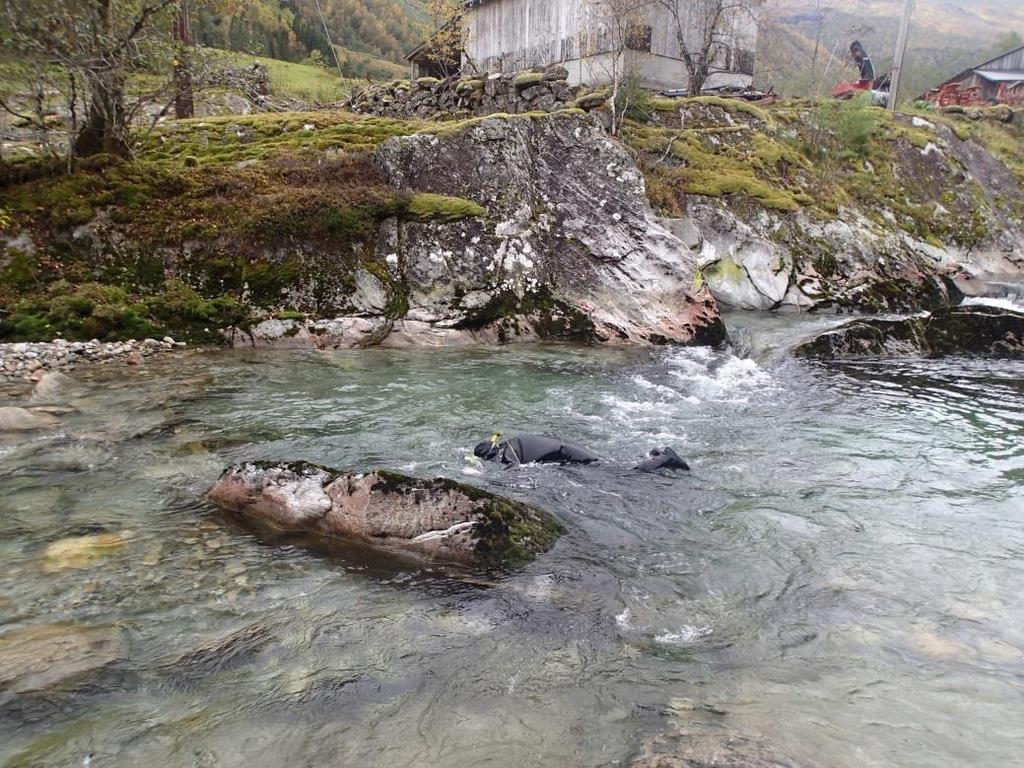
946,37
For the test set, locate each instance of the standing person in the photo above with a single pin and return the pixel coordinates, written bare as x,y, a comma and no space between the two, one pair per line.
860,58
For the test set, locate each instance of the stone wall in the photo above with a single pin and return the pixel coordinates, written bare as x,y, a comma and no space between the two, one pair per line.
542,90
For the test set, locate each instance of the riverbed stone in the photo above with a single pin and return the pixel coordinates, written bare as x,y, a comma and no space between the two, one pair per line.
439,519
51,386
15,419
80,551
41,658
981,330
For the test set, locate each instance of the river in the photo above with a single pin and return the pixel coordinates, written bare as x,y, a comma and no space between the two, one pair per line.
837,582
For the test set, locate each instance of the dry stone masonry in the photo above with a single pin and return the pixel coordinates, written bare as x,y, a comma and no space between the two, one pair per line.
543,90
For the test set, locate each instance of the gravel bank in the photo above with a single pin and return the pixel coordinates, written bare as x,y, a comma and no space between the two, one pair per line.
27,360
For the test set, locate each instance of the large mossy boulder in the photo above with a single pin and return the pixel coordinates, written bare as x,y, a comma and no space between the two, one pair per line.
986,331
440,519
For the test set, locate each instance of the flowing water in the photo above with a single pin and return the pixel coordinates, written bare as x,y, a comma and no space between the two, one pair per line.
837,582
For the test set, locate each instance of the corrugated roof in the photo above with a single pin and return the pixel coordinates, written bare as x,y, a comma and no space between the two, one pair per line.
1000,77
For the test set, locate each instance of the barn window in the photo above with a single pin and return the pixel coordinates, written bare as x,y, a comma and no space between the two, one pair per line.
638,38
744,62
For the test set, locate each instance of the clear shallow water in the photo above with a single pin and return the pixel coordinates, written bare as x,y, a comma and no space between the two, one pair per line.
837,582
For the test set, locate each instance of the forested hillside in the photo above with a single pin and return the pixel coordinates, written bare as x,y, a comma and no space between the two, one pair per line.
945,38
291,30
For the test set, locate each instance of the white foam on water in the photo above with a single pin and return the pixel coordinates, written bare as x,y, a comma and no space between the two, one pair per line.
985,301
733,380
622,620
686,635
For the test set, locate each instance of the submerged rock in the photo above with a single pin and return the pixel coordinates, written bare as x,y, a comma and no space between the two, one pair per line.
80,551
722,750
42,658
51,386
441,519
971,330
14,419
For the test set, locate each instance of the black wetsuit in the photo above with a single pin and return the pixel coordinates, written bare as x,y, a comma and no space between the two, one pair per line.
867,69
527,449
662,458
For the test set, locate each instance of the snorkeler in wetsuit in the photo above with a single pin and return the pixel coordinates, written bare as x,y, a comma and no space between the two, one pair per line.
529,449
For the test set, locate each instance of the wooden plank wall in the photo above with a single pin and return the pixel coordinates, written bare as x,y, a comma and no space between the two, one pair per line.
510,35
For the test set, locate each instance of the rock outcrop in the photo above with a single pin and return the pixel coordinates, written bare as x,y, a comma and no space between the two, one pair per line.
553,238
787,214
439,519
973,330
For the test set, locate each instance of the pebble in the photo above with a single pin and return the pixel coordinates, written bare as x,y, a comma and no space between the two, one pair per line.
30,360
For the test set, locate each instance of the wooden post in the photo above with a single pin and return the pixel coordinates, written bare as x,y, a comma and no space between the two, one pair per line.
901,49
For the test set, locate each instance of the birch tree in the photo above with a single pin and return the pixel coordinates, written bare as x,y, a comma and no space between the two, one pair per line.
704,29
610,29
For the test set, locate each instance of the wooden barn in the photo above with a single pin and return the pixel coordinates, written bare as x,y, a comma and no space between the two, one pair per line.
581,35
996,81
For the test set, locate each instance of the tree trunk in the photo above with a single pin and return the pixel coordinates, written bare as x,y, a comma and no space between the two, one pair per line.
184,105
698,76
104,129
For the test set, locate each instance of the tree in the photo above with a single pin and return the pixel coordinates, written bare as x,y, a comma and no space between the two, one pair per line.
610,29
95,43
184,104
444,34
704,30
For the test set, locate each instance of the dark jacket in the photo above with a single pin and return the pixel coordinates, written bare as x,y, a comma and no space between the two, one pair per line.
527,449
867,69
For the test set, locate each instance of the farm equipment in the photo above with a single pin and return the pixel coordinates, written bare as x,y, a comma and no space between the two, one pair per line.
956,95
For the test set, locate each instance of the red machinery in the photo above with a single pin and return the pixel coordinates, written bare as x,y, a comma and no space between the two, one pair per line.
955,95
1004,96
844,90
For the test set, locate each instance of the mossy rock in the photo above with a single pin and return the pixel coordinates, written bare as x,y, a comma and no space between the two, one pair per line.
440,519
973,330
526,79
592,100
469,85
427,82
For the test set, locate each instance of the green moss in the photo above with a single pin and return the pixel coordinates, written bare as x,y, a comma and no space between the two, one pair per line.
725,270
468,85
427,82
21,272
732,106
526,79
592,100
431,206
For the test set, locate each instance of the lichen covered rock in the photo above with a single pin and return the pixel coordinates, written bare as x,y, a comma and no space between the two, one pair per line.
569,246
974,330
439,519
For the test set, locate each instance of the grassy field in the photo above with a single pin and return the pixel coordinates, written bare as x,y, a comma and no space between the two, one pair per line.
297,81
313,83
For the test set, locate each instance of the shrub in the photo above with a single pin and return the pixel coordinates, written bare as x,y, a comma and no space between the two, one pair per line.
853,123
634,101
